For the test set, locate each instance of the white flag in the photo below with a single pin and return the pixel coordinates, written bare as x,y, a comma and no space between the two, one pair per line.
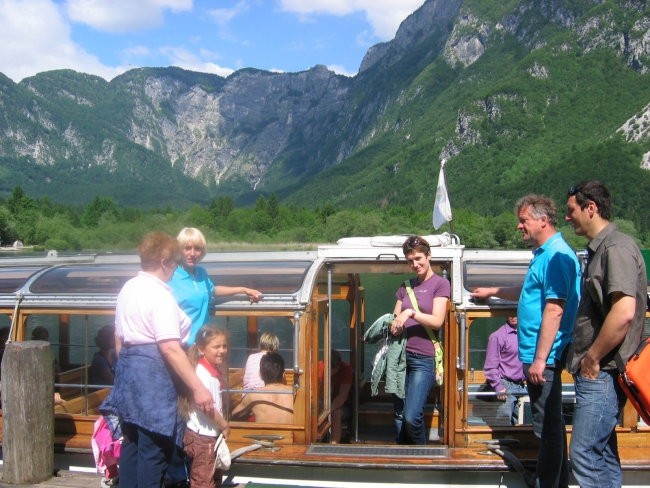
442,207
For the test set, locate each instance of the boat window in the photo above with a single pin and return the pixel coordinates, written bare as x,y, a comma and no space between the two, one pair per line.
484,409
85,279
281,277
244,333
13,278
342,332
5,329
74,346
477,274
270,277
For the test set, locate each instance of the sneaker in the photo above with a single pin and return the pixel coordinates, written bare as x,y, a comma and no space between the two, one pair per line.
109,482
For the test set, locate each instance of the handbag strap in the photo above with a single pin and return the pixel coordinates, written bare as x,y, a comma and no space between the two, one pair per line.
414,304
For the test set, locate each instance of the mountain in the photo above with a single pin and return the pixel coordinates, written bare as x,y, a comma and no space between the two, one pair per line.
526,96
517,96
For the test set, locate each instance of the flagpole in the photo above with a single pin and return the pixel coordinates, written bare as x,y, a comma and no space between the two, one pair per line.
442,206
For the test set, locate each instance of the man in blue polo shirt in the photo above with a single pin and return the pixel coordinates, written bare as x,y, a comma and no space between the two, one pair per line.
547,306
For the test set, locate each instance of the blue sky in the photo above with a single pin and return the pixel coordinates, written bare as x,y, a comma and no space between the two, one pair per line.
108,37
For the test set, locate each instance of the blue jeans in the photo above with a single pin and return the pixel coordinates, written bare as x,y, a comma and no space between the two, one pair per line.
594,449
508,408
409,412
144,457
548,424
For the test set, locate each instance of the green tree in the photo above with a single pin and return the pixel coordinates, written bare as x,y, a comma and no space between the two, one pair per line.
130,214
504,228
7,234
100,207
220,208
273,210
262,221
199,216
23,215
20,202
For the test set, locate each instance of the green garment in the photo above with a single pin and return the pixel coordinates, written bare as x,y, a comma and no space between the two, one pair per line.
390,360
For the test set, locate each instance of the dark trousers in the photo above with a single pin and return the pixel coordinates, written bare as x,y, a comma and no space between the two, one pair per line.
144,457
548,425
177,469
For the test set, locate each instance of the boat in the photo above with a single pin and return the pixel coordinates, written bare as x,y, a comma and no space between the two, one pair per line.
315,301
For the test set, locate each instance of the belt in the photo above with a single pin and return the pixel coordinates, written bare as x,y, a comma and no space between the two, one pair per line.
418,355
515,381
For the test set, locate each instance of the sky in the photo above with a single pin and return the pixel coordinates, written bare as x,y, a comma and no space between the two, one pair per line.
109,37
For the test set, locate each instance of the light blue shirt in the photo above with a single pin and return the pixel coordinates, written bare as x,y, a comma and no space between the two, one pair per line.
554,273
193,293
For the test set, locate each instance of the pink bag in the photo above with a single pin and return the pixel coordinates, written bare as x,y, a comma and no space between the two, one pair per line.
106,450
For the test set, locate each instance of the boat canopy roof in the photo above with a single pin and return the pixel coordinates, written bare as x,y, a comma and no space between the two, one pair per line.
286,279
95,280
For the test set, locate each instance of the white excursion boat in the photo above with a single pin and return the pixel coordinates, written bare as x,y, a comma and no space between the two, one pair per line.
315,301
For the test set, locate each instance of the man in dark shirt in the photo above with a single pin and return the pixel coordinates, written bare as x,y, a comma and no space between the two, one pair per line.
607,331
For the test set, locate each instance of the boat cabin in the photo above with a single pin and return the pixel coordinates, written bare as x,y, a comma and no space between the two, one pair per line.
314,301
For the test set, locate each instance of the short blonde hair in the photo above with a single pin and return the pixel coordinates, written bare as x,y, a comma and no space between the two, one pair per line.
193,237
269,342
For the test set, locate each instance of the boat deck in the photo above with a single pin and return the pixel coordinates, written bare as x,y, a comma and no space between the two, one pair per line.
387,465
356,464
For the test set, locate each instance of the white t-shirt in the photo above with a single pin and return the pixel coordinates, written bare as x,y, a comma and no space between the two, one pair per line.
198,421
252,378
147,312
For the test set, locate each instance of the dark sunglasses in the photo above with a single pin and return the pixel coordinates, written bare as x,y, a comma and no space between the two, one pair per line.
416,241
413,242
576,189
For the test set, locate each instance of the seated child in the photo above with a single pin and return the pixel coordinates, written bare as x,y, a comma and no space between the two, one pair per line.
252,380
270,405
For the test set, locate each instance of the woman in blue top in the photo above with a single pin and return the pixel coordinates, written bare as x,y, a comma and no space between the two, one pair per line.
191,285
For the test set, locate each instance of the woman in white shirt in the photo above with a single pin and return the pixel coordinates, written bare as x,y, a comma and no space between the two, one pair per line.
149,328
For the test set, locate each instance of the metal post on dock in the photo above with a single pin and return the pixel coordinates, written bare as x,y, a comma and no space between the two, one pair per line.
27,389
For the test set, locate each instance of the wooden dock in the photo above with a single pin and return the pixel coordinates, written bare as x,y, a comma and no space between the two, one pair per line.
72,470
70,479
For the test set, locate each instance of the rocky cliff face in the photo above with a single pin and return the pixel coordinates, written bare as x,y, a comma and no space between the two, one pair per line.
435,17
239,129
